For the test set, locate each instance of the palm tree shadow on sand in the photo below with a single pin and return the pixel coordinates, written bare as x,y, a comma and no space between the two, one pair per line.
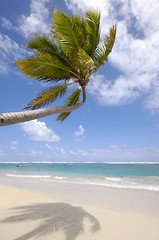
55,216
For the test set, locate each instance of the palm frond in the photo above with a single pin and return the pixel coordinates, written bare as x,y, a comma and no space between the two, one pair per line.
93,28
47,96
63,116
105,48
81,25
44,44
46,67
70,32
41,43
84,61
72,100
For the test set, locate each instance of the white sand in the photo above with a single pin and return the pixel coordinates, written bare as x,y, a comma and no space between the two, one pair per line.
75,212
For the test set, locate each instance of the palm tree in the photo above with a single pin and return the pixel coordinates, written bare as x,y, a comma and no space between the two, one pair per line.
73,51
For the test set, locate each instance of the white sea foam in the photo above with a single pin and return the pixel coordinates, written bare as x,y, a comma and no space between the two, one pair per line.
27,176
108,182
36,176
105,182
115,179
57,177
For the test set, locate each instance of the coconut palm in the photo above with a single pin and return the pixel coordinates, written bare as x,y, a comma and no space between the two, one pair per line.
69,56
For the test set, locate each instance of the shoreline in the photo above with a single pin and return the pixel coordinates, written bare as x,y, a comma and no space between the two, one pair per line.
132,176
118,199
113,213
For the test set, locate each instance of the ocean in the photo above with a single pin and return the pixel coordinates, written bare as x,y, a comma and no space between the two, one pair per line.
117,175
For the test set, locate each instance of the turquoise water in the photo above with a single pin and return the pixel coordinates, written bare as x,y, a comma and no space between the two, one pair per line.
130,175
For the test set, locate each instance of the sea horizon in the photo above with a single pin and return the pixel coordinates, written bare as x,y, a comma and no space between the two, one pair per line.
83,162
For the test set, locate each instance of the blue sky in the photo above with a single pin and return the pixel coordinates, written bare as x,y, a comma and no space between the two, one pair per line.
120,120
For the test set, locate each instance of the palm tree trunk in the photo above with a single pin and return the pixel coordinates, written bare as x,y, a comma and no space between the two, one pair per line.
19,117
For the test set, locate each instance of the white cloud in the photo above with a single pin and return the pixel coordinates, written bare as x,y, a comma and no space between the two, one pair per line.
80,133
55,149
13,148
135,52
9,48
39,132
146,13
117,153
74,5
113,153
13,143
60,150
37,21
9,51
5,23
48,146
83,152
123,90
3,67
34,153
80,153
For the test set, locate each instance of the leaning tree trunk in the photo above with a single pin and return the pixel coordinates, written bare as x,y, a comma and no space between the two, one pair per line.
19,117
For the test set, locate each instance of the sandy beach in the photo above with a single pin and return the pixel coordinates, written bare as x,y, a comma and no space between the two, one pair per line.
43,211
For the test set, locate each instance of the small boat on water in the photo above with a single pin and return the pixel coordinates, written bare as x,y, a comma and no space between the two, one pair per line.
67,164
22,165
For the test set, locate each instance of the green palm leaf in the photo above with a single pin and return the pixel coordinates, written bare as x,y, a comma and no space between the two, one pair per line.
70,31
72,100
47,96
105,49
93,28
84,61
46,67
44,44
